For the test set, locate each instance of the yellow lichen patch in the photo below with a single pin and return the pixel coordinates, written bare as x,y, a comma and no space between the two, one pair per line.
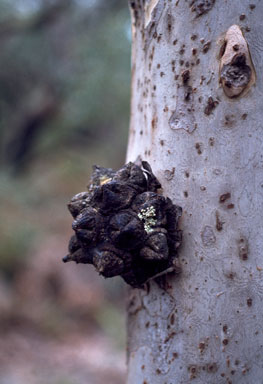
148,217
104,179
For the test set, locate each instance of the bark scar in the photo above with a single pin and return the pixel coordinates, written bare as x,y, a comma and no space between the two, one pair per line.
149,8
236,70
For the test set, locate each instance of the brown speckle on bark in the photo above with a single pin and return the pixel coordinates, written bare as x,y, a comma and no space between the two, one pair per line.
182,50
187,94
211,141
193,371
212,368
243,248
169,22
185,76
219,223
229,121
206,47
224,197
200,7
249,302
198,147
154,122
210,106
201,347
230,275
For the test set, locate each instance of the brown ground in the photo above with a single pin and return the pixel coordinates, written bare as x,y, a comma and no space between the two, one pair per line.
60,324
29,359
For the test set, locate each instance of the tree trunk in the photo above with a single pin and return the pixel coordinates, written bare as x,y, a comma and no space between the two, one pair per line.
196,116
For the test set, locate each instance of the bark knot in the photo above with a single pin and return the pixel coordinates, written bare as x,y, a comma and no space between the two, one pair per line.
123,226
237,73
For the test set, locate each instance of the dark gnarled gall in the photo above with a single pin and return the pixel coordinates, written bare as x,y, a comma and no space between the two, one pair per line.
123,226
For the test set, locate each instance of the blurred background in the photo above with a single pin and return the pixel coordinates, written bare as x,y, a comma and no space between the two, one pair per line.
64,106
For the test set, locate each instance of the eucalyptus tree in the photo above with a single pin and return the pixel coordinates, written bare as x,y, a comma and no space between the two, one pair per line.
196,117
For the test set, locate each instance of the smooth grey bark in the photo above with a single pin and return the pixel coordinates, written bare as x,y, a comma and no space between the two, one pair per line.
205,324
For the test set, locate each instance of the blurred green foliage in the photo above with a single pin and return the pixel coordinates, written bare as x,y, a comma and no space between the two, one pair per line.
64,79
64,106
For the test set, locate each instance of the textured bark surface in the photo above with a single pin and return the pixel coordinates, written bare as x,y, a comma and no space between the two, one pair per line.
205,325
